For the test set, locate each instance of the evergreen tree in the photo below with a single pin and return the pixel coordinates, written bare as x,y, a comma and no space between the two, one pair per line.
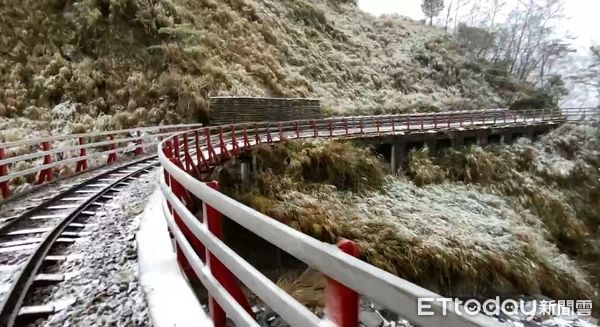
432,8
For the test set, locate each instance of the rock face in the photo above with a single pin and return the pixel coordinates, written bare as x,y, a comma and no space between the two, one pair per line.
151,61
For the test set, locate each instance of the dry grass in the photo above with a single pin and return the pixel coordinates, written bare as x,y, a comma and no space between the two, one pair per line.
152,61
556,179
452,238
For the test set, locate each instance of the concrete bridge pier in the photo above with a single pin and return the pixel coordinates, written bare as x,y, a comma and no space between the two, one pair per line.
457,140
431,144
482,137
244,171
530,133
398,155
395,148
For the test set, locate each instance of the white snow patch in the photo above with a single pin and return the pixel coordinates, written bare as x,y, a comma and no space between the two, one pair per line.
170,298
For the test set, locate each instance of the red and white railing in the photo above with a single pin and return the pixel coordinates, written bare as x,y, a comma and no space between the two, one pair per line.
187,156
81,151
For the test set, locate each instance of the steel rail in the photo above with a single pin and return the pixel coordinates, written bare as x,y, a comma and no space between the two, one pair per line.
49,202
9,309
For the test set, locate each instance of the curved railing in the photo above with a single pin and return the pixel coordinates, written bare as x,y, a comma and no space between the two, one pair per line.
187,156
44,156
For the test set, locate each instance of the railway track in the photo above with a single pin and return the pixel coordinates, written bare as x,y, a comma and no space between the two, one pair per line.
37,237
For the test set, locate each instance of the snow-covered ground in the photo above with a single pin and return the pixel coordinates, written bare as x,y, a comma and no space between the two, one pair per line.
102,287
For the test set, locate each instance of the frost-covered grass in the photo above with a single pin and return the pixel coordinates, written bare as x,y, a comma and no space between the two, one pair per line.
452,237
556,179
118,64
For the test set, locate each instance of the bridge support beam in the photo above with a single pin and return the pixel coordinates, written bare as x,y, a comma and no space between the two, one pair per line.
482,138
530,133
254,163
457,141
398,155
506,138
431,144
244,167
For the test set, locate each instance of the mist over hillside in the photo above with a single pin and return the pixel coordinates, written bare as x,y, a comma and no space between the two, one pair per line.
121,63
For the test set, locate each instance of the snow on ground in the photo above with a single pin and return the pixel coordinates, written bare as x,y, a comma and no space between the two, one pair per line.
102,272
171,300
37,196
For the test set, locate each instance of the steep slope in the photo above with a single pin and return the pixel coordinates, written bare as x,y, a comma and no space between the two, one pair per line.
133,62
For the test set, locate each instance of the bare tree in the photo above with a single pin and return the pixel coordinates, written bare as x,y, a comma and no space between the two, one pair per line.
525,42
448,15
432,8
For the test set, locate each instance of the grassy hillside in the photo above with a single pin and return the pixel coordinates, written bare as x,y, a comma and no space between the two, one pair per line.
133,62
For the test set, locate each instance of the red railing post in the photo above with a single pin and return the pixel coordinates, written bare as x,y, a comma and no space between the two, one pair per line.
139,150
83,163
4,186
435,120
342,303
460,118
393,123
212,155
112,157
330,129
224,155
213,220
315,131
269,138
190,167
377,124
543,113
186,145
176,152
234,143
256,136
422,123
408,122
204,166
361,124
346,126
168,150
46,174
448,119
181,193
297,125
246,139
281,137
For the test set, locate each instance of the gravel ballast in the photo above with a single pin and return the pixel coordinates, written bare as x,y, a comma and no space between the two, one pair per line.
102,286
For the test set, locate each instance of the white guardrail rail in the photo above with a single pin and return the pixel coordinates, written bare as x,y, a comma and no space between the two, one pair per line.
51,157
203,254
